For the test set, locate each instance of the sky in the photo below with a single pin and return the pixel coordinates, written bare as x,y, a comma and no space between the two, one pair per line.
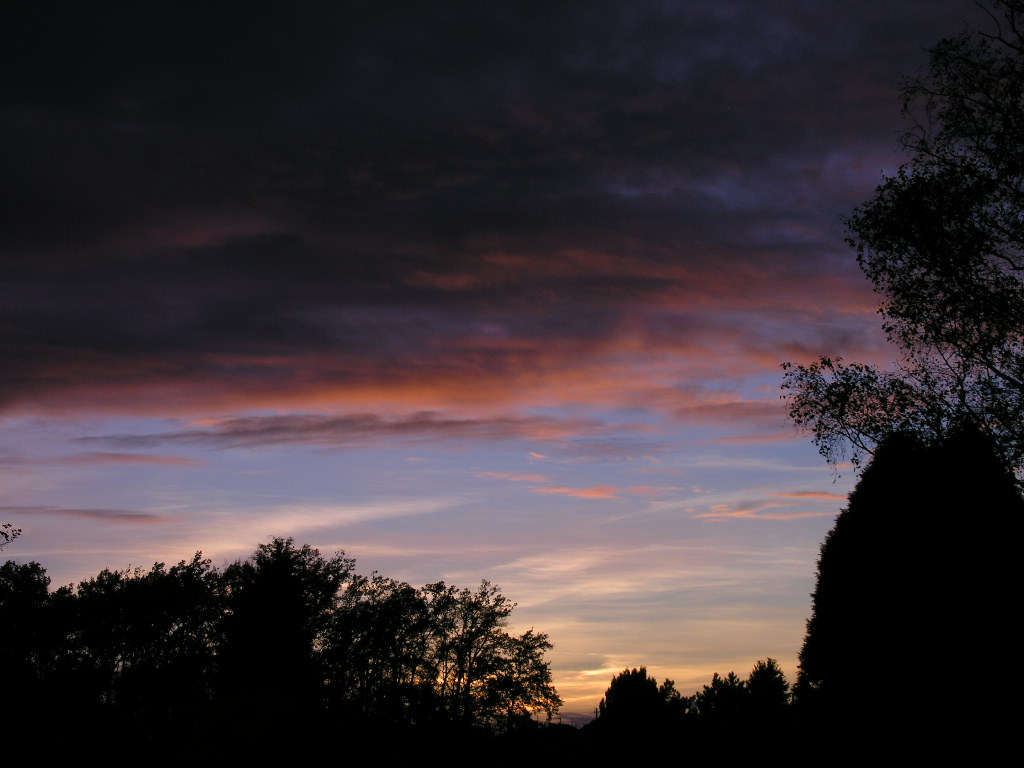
480,290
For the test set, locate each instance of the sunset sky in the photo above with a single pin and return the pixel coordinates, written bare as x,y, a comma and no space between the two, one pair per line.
469,290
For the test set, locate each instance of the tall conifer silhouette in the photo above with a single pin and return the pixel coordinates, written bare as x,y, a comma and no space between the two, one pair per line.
913,590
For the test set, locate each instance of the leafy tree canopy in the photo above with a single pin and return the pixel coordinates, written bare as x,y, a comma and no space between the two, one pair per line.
634,702
631,695
943,243
285,639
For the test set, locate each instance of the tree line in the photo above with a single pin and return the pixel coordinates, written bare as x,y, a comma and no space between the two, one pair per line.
635,702
285,639
290,642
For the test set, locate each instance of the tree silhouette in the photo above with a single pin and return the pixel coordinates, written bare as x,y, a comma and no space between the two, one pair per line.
376,652
632,698
634,703
284,642
482,675
943,243
913,580
724,702
769,693
24,644
8,533
279,605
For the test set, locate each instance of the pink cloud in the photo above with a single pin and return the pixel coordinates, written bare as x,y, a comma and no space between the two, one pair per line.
592,492
361,428
757,511
654,317
131,458
764,413
608,491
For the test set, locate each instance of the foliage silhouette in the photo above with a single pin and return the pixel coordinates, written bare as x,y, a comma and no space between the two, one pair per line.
724,701
24,641
635,704
437,654
8,533
286,641
376,651
632,698
769,693
636,715
943,243
279,604
915,574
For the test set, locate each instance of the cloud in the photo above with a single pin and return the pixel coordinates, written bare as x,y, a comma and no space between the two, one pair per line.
108,458
279,339
748,412
652,491
309,517
111,516
776,437
360,429
379,215
592,492
515,478
544,484
759,510
812,495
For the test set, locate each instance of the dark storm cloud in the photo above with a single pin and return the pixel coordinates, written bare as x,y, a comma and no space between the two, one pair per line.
270,196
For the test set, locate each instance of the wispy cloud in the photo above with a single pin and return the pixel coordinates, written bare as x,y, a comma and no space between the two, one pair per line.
544,484
359,429
315,516
109,458
811,495
759,439
112,516
608,491
759,510
591,492
513,477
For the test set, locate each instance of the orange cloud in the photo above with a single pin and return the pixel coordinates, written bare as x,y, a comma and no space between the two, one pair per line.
592,492
757,511
663,325
609,491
